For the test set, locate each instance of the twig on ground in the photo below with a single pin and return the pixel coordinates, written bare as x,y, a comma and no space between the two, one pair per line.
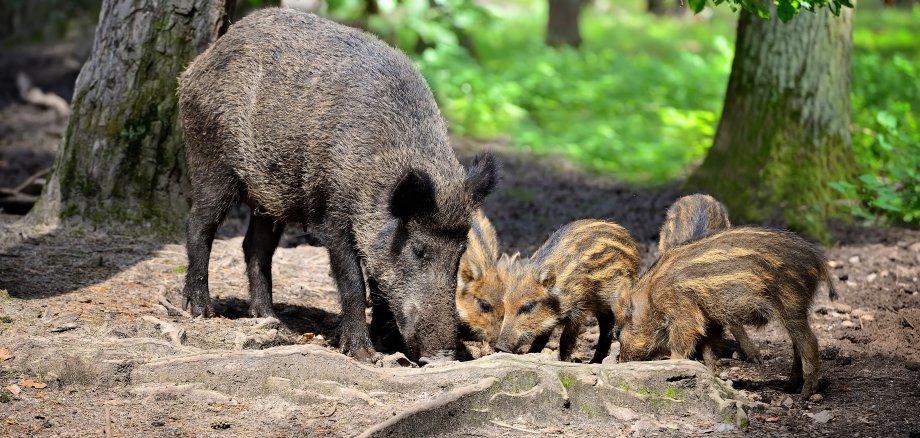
510,426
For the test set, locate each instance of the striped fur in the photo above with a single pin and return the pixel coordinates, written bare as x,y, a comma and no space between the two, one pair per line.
479,280
740,276
692,218
581,268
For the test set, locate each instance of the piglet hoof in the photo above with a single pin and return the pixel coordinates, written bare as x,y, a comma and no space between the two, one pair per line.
793,386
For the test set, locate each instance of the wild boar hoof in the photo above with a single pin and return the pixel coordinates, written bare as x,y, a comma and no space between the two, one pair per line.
361,351
262,311
198,306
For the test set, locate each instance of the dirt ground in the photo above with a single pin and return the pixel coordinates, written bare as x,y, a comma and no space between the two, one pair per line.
86,292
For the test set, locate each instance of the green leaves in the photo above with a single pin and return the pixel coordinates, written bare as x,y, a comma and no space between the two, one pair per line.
785,9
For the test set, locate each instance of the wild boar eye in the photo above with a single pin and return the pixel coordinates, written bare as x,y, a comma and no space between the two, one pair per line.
527,307
484,306
419,250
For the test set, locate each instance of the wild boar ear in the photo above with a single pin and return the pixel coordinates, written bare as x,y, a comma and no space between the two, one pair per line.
481,177
412,195
547,278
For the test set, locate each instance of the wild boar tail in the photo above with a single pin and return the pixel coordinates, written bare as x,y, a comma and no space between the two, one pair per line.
826,272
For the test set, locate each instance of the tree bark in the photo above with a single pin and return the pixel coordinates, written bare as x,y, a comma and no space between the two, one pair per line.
784,135
562,27
121,161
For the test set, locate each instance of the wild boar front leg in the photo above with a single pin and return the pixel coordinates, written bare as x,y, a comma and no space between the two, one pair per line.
354,339
539,343
712,343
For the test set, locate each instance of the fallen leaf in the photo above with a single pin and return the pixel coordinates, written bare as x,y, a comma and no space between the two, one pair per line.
772,419
5,354
13,389
27,383
39,385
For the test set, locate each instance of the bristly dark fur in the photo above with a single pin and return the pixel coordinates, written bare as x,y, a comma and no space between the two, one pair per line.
314,122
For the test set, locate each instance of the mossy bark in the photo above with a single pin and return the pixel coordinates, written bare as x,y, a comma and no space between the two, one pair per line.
121,162
784,135
562,28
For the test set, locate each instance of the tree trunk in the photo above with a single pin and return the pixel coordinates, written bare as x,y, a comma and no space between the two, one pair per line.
562,26
121,161
784,135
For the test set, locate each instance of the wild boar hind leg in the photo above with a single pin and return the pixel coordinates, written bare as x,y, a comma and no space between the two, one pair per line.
354,339
258,248
214,191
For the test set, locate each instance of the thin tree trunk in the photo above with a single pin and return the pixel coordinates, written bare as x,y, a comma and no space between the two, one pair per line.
784,135
121,160
562,27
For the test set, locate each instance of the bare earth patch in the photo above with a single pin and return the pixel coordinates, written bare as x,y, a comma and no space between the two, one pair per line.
85,319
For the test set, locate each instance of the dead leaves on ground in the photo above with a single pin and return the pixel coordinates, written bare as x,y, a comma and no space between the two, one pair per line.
29,383
5,355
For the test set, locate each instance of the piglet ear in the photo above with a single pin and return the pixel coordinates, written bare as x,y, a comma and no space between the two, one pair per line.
505,261
547,278
412,195
469,270
481,177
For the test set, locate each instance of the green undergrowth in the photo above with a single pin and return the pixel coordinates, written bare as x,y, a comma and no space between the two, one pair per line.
640,100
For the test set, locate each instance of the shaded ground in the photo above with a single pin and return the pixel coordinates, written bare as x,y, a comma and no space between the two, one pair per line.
75,320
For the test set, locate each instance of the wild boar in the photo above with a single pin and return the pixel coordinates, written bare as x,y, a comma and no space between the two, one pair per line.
479,280
693,217
312,122
740,276
581,268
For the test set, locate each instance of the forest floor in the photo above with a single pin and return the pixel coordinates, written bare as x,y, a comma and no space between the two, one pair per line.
88,347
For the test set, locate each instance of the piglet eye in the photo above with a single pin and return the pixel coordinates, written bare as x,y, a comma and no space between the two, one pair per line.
484,306
527,307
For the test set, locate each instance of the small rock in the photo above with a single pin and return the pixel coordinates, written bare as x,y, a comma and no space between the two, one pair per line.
851,283
871,277
735,368
854,260
396,360
912,365
858,312
771,419
914,247
843,308
847,324
724,375
884,274
823,417
867,317
834,264
63,327
816,398
621,413
267,324
725,428
787,402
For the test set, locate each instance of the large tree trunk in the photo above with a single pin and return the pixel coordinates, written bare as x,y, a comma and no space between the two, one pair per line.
121,161
784,135
562,27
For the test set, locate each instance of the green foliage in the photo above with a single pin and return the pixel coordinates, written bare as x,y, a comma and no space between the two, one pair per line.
785,9
886,101
620,105
411,24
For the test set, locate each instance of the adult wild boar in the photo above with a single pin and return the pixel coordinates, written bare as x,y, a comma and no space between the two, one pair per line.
313,122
